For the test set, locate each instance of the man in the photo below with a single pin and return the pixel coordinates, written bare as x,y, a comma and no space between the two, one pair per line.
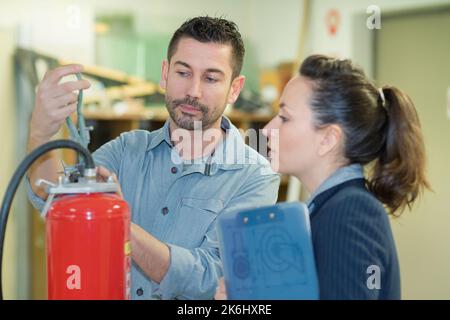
175,191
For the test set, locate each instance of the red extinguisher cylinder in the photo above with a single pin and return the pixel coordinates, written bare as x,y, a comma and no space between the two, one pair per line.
88,248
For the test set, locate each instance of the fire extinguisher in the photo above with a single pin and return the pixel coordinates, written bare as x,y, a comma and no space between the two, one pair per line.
87,231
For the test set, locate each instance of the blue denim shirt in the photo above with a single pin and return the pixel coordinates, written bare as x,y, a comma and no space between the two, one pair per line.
341,175
179,203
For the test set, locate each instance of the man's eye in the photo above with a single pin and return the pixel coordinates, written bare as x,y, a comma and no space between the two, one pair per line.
183,73
211,79
283,119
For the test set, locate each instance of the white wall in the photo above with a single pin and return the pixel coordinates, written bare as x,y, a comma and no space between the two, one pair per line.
344,42
52,27
272,28
275,29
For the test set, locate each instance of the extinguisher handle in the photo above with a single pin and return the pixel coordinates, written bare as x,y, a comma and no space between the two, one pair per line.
47,205
40,182
50,197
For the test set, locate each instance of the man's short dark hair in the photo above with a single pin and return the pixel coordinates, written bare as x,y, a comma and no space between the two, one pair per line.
208,29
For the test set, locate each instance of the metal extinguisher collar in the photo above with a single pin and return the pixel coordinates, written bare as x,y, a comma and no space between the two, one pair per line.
85,185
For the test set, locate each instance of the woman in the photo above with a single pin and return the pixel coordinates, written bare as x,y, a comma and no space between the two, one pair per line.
332,122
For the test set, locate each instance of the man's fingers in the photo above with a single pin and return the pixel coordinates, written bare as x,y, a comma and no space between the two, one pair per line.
64,100
222,285
221,293
119,191
55,75
62,113
70,86
103,173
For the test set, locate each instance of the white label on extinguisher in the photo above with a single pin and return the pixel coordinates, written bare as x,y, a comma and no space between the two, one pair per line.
74,280
127,250
128,286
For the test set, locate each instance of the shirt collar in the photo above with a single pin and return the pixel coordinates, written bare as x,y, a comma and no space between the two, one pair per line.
230,154
162,134
341,175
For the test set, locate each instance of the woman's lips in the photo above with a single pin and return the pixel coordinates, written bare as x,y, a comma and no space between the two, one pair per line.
270,152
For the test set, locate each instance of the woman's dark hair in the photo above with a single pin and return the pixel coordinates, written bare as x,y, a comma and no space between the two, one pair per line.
209,29
380,127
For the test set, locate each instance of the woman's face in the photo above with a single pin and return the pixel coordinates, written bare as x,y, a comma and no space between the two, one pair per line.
293,140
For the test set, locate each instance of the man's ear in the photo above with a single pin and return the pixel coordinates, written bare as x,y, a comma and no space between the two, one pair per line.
330,140
236,86
164,71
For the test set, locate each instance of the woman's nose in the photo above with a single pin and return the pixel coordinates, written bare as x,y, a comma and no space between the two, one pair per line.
267,128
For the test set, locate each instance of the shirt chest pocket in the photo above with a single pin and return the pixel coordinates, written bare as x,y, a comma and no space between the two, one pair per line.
195,217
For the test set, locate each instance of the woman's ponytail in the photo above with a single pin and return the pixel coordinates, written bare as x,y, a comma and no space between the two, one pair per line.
398,175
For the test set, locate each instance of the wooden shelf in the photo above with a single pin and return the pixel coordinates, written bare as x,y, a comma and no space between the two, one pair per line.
122,92
106,73
237,115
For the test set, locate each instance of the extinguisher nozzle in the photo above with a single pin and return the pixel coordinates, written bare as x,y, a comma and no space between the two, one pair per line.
90,173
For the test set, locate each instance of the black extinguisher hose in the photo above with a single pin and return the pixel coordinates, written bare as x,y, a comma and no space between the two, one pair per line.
21,171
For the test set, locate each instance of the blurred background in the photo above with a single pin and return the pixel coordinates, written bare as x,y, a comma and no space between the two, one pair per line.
122,44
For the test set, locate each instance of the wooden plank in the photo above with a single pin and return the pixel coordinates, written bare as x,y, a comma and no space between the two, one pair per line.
106,73
121,92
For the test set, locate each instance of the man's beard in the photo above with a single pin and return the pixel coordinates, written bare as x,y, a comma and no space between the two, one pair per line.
187,121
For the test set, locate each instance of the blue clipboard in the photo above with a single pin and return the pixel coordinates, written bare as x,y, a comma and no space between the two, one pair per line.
267,253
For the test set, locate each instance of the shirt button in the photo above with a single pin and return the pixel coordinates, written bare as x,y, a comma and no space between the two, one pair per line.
165,210
139,292
174,170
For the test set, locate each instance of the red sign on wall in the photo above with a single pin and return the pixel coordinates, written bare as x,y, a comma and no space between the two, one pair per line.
333,21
